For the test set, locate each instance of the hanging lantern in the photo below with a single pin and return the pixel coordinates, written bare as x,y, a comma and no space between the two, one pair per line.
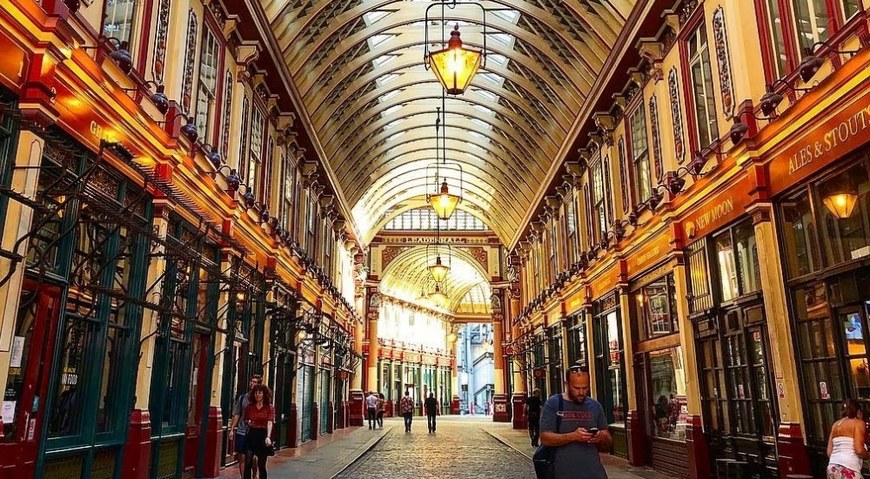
455,66
438,259
444,203
438,296
840,196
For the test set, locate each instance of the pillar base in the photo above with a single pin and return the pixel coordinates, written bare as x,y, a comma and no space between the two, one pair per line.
137,450
315,421
519,406
791,451
637,443
698,450
294,426
454,405
211,464
357,417
501,408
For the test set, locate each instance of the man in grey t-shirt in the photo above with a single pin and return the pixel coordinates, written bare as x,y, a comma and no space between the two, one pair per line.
577,443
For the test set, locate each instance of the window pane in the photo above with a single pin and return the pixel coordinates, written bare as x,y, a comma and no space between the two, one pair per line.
811,21
668,391
702,86
747,258
798,236
777,38
119,19
844,211
67,414
205,96
850,7
727,268
640,153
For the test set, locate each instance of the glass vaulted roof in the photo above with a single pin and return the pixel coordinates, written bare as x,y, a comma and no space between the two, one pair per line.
358,65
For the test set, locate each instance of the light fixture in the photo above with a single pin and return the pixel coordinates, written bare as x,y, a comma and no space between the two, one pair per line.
438,270
438,296
841,199
443,201
188,130
738,131
119,54
769,101
810,65
455,65
160,100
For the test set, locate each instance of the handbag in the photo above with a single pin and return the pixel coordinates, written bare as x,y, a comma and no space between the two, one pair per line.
544,458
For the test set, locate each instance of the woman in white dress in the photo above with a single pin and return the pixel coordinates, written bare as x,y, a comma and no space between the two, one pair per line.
846,443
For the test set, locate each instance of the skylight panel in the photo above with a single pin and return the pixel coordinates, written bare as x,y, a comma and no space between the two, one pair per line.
477,135
481,123
387,78
502,38
391,110
386,96
382,59
396,135
394,123
484,109
500,60
378,39
487,94
507,14
491,77
373,17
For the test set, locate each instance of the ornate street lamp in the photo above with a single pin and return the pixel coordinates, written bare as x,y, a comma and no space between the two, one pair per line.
437,267
438,296
442,200
455,65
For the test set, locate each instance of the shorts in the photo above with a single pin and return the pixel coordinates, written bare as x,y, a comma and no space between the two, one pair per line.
240,443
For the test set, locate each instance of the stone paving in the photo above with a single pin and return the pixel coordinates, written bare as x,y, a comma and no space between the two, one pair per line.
463,447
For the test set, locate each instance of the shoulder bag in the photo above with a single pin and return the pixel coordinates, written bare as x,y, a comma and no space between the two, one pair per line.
544,458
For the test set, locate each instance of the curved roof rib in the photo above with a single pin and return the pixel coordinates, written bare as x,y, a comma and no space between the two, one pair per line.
358,65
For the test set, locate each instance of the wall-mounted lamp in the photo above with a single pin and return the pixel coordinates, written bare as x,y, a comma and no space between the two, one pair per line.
120,55
211,154
738,131
188,129
158,98
233,180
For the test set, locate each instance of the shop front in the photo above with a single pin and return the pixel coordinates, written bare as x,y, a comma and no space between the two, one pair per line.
660,378
609,364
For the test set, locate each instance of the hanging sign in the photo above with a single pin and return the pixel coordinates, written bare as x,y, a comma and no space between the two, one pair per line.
823,390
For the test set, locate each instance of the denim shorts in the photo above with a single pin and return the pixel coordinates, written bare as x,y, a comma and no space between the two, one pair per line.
240,443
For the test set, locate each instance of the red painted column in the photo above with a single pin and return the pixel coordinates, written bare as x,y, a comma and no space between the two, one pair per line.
699,452
213,443
637,440
791,451
519,402
330,425
137,450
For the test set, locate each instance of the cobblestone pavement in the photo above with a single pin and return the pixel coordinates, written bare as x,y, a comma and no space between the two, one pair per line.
460,448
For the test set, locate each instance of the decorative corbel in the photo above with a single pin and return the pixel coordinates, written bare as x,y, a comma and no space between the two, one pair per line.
619,103
326,201
596,140
272,105
230,26
246,53
553,202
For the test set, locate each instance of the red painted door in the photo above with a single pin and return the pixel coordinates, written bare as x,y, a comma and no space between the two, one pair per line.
29,373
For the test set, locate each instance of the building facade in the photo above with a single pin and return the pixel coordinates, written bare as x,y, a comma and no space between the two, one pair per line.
704,253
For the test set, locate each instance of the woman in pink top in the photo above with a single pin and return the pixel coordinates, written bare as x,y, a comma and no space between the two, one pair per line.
260,416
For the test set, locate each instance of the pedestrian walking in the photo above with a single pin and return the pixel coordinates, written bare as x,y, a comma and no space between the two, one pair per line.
431,406
239,425
372,409
846,444
260,416
381,402
533,415
406,406
573,430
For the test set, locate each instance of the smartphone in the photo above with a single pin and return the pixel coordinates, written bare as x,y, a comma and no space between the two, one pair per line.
593,430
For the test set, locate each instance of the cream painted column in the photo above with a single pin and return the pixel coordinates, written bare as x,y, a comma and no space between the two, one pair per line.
150,317
776,312
372,336
589,321
498,353
356,380
17,224
519,386
687,340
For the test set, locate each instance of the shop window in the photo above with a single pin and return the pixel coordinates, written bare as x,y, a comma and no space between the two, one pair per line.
700,298
667,388
799,231
657,307
554,358
118,19
844,205
609,360
706,127
640,154
207,85
578,354
737,257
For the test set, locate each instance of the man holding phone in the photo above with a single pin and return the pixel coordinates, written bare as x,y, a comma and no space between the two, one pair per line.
582,432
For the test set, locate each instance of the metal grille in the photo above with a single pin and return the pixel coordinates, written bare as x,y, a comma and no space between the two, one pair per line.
167,462
63,468
103,466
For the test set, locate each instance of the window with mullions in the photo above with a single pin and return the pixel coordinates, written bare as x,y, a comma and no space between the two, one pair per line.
571,226
288,184
843,208
425,219
92,382
554,251
599,206
554,359
118,19
640,154
207,85
811,21
190,295
255,159
698,53
657,307
578,354
8,146
737,258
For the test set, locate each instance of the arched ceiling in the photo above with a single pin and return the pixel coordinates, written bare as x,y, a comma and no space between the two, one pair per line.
406,276
358,65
